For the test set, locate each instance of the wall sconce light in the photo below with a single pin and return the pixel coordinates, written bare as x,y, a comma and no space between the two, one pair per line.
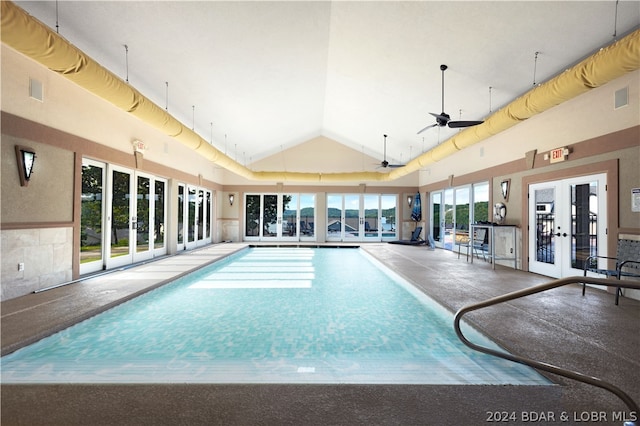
409,200
504,188
25,157
231,197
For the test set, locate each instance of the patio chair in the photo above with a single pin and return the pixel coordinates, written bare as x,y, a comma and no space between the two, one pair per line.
627,263
480,242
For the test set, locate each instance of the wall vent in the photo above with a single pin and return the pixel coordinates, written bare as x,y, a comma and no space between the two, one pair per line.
621,98
35,89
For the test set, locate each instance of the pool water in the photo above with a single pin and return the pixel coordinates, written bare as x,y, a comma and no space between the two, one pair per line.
270,315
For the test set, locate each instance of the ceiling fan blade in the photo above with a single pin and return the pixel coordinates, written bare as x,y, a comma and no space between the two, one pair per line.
395,166
428,127
458,124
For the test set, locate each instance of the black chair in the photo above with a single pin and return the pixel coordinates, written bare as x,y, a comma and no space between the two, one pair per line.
415,239
627,263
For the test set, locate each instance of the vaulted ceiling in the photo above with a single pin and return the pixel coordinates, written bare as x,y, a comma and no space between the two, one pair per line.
257,77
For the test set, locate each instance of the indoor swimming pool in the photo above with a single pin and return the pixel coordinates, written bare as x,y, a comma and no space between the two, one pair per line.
270,315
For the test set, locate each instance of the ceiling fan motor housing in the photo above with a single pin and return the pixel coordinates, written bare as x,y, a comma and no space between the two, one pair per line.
443,119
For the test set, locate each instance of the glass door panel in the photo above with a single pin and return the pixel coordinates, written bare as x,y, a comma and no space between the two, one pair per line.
387,225
480,202
353,218
436,221
544,247
449,219
461,218
307,216
200,216
289,209
192,210
142,221
182,206
252,216
159,215
334,217
587,228
371,217
91,221
120,219
542,211
209,209
584,223
270,215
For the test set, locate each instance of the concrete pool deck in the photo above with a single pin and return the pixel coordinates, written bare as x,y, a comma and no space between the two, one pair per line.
588,334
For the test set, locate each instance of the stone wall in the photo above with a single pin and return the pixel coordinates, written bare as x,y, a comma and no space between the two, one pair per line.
46,254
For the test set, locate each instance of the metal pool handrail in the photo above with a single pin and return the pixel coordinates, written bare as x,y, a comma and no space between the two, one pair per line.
542,365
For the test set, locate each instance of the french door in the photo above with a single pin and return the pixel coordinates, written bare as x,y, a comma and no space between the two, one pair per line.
136,216
453,209
567,224
123,216
281,217
361,217
195,205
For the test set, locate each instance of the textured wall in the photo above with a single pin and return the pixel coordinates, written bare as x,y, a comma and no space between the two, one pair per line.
46,254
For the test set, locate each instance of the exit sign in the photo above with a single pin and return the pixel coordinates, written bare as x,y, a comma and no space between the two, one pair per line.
558,154
139,146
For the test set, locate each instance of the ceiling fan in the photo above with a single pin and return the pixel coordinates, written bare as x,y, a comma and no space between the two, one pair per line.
384,162
444,119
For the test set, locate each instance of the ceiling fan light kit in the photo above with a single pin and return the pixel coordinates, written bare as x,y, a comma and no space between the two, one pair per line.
443,119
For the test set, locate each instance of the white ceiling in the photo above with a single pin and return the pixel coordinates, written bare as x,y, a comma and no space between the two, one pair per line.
272,75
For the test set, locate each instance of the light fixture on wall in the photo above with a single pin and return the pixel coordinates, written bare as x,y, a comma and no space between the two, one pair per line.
409,200
504,188
231,197
26,158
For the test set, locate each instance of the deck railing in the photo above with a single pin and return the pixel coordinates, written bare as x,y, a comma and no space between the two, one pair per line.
631,404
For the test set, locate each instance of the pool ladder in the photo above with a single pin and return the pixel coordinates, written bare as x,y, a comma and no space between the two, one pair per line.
631,404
